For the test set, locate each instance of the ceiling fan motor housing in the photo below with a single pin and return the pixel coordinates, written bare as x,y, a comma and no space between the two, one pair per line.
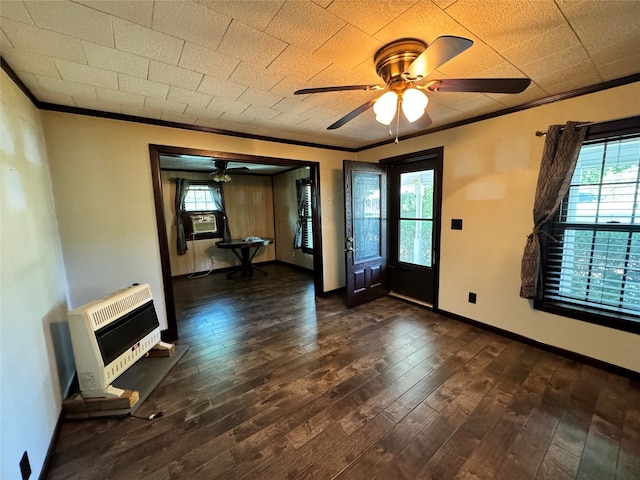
394,58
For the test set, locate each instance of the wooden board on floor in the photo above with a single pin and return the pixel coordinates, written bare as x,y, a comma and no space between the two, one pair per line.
141,378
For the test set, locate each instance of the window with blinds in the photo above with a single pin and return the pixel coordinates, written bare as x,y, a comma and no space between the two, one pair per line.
593,257
306,218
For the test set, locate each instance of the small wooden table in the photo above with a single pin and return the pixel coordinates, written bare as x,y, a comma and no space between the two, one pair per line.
244,251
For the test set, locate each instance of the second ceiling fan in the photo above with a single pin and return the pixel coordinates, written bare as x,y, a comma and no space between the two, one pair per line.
404,65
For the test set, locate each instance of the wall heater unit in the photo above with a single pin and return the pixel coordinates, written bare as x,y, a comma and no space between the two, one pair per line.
109,335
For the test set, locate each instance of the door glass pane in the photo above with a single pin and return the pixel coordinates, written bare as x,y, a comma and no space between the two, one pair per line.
366,216
416,217
415,242
416,194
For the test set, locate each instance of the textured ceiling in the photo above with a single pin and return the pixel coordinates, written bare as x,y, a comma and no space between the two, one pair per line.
234,65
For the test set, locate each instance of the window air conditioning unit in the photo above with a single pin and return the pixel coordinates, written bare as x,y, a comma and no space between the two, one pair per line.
204,223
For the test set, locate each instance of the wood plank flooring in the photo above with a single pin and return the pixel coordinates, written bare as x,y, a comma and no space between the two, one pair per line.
278,384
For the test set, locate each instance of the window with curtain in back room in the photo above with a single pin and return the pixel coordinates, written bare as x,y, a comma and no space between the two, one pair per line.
593,261
204,217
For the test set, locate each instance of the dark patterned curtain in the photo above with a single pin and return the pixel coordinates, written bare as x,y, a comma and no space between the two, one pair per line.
297,238
216,193
559,158
182,187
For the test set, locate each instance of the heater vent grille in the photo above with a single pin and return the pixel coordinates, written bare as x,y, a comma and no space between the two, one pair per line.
119,306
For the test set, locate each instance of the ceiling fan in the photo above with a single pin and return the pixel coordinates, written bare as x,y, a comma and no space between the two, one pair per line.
404,65
221,172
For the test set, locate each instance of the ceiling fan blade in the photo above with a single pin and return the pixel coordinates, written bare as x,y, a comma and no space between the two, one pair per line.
238,169
341,88
439,52
351,115
483,85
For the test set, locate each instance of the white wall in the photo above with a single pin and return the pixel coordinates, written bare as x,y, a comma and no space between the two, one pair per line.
104,199
36,359
489,180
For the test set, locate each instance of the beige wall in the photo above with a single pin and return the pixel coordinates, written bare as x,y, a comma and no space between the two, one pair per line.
101,178
285,206
490,175
36,359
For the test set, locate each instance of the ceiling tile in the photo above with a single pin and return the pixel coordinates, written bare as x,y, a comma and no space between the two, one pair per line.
164,105
139,12
260,112
30,80
79,73
297,63
248,44
203,60
247,74
44,42
500,25
256,96
369,15
570,78
240,118
201,112
221,88
141,86
619,68
141,112
4,42
599,24
304,24
146,42
221,104
101,106
30,62
73,89
557,61
196,99
116,60
15,10
256,13
190,21
349,47
549,43
116,96
424,21
54,98
73,20
616,52
179,77
178,118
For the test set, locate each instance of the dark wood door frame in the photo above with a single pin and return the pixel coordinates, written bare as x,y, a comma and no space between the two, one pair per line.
437,155
154,154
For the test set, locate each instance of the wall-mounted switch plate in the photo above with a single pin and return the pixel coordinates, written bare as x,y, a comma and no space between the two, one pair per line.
472,297
456,224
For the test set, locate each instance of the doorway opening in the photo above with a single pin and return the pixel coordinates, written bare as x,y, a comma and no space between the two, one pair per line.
189,160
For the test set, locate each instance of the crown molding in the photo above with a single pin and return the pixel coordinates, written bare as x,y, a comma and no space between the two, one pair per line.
163,123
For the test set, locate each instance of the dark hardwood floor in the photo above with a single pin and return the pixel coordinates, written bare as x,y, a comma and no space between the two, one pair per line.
278,384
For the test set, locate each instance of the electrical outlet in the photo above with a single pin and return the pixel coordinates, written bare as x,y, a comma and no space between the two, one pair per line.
472,297
25,466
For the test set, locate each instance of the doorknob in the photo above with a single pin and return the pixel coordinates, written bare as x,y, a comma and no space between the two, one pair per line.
349,239
348,249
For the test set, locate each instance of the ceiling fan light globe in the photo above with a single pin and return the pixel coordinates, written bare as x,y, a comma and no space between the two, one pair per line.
385,108
226,178
414,103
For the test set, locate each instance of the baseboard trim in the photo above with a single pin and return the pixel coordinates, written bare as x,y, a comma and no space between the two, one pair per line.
593,362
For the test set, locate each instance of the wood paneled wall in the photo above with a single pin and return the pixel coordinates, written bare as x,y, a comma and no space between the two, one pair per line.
286,215
249,205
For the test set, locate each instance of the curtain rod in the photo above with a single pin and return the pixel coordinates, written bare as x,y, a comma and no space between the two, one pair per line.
540,133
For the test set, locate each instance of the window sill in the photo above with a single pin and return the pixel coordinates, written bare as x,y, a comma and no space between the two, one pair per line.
625,323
